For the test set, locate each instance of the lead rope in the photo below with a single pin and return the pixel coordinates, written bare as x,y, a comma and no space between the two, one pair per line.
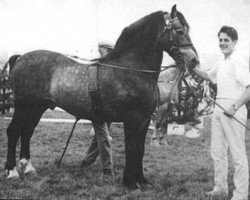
65,148
225,111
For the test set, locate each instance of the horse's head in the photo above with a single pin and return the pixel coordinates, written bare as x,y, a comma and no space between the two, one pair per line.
175,39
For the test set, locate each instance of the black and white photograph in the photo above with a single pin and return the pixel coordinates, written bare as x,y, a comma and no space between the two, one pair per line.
125,100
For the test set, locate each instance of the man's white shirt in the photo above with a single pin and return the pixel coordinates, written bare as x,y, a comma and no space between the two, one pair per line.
231,76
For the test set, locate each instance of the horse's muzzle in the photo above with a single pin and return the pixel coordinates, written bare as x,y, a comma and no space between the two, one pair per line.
190,57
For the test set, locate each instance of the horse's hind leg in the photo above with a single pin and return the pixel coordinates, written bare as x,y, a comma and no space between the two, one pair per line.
13,133
23,123
31,119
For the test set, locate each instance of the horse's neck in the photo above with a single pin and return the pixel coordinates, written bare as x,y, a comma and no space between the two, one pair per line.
141,60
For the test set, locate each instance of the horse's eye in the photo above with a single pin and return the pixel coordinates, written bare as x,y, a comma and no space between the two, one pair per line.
180,31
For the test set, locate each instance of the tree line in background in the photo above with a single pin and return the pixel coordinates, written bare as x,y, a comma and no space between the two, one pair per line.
6,98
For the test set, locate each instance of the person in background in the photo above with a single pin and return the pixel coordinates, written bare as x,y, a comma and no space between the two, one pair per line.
104,49
101,141
233,91
100,145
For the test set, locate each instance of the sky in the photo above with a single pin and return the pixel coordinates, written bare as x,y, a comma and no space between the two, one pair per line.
77,26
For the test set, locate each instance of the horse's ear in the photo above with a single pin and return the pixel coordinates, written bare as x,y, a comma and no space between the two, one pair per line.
174,12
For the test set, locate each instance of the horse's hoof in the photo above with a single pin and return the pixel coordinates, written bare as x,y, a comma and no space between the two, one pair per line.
30,169
136,192
26,166
146,186
12,173
23,163
131,185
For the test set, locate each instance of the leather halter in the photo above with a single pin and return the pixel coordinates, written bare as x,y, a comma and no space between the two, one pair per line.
174,25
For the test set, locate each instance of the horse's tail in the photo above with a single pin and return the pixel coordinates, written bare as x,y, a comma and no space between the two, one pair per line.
10,63
12,60
4,69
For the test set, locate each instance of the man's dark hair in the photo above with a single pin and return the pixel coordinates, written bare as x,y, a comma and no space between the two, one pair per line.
230,31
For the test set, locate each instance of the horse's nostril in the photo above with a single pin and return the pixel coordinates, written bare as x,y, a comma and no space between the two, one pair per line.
195,61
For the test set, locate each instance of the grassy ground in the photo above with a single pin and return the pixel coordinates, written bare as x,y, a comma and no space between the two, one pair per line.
181,171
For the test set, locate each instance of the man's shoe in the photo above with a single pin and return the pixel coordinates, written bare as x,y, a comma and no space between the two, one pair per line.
107,176
108,172
214,193
163,142
86,163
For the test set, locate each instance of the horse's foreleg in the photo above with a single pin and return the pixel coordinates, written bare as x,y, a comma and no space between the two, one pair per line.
140,140
129,179
135,133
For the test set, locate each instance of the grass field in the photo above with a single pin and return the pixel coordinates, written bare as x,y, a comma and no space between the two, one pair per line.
181,171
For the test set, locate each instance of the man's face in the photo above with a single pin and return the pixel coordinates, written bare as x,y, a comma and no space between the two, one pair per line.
226,43
103,52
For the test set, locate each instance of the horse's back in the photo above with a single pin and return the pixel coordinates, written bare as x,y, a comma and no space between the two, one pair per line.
33,75
42,59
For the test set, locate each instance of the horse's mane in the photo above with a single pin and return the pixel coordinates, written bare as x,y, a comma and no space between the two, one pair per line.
140,33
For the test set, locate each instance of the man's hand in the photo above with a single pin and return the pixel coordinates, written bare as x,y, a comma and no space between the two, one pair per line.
230,111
